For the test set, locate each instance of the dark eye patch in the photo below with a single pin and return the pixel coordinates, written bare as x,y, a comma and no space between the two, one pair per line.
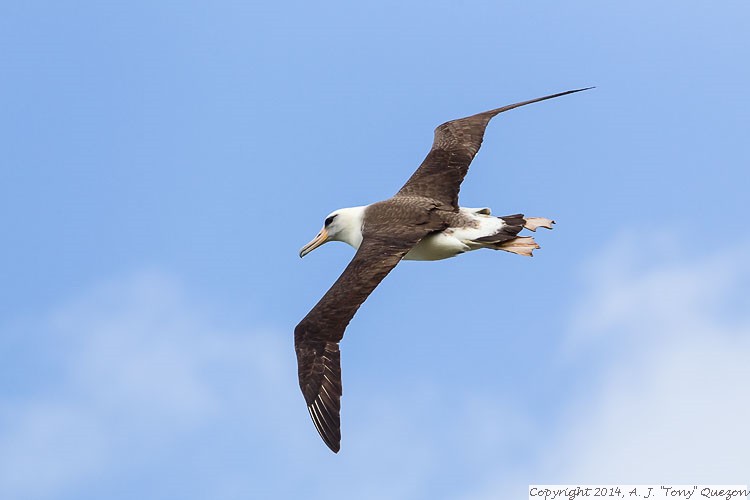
329,220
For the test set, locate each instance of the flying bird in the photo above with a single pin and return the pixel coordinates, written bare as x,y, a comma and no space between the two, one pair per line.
422,221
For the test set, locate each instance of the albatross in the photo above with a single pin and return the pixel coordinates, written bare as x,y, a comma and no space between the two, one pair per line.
422,221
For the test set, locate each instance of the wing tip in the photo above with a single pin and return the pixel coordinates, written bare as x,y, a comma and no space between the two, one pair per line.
560,94
320,382
330,435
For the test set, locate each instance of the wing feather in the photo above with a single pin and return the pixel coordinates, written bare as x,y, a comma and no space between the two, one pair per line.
456,143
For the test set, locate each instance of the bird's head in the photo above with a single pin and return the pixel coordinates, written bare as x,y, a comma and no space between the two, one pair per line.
344,224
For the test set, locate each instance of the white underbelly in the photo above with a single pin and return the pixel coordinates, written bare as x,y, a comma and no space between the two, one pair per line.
436,247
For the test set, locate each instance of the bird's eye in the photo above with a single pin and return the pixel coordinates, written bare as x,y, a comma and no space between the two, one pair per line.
329,220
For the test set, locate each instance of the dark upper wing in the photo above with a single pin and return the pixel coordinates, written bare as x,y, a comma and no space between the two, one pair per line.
456,143
317,336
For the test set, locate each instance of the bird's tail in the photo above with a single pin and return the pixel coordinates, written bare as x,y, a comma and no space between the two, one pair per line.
507,238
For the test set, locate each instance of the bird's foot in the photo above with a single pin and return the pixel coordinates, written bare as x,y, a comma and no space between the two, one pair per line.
532,223
523,245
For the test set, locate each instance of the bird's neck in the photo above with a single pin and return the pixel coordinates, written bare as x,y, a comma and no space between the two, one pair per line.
352,232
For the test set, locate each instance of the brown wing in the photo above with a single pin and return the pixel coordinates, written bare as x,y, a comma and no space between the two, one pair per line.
317,336
456,143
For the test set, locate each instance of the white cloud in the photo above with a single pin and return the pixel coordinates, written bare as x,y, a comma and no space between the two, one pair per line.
665,342
673,404
140,368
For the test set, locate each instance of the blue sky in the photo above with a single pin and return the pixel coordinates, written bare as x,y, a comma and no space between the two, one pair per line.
162,164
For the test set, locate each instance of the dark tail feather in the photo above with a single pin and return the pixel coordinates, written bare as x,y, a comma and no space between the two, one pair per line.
507,238
513,226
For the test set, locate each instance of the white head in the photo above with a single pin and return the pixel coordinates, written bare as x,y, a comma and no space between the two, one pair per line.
345,224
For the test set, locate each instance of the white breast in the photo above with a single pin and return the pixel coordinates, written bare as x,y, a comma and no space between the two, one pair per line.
437,246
